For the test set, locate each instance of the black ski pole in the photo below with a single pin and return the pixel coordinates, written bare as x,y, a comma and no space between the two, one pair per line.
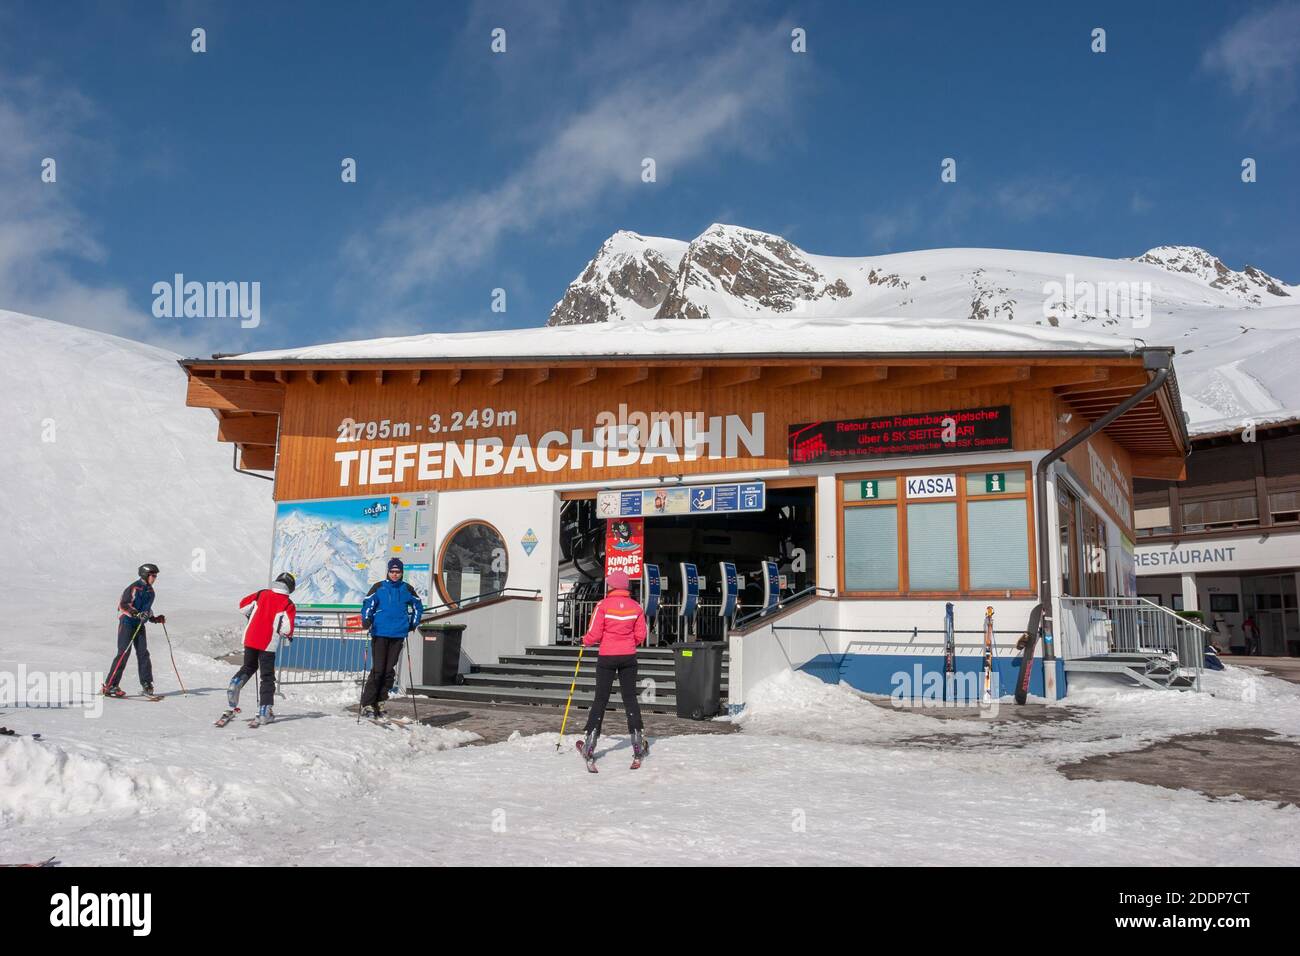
172,654
365,668
410,677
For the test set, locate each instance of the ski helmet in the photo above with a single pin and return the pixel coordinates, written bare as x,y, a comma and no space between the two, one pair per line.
147,569
287,580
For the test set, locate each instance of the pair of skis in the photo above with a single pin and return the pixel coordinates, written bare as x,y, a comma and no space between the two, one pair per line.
950,654
590,758
230,715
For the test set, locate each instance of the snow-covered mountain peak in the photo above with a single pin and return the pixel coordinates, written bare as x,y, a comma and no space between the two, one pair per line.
628,278
1237,332
1250,284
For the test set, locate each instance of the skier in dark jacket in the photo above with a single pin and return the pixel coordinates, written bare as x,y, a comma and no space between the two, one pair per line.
391,610
134,608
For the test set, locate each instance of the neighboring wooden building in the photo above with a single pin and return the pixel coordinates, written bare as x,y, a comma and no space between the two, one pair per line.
1226,540
493,434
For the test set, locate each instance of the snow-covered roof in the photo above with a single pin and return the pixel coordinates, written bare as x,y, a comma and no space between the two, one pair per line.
716,337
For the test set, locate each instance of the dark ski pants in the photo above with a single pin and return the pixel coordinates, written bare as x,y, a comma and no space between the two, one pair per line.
622,666
144,666
256,661
386,653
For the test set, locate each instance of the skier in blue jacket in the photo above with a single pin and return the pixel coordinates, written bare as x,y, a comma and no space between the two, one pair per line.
134,608
391,610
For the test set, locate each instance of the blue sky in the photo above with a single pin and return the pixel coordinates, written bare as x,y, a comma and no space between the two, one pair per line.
479,171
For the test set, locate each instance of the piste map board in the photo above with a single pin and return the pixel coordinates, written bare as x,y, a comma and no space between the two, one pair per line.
901,436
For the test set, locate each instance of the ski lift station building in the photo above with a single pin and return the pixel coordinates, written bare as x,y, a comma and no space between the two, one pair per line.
812,492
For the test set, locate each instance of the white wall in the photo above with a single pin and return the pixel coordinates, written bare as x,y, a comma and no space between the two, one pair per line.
491,632
512,512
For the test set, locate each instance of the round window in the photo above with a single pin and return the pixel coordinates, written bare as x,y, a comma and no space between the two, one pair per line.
473,563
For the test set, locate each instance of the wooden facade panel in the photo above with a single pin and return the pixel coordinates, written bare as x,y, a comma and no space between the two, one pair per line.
233,395
313,414
1104,466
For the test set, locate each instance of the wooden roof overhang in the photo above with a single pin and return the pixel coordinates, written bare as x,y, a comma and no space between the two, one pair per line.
247,395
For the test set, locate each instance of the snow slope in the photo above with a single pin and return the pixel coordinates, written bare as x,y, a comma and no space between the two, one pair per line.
1237,333
109,469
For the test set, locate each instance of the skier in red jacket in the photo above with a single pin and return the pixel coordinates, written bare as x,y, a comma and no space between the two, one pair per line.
270,616
618,628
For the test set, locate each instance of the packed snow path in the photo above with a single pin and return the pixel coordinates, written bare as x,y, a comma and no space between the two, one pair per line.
817,775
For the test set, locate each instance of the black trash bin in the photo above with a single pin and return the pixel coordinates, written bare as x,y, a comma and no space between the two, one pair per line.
441,653
697,668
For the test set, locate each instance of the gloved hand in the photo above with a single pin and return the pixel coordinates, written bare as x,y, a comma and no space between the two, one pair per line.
159,619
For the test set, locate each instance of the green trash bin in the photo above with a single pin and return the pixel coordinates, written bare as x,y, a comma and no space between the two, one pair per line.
697,670
441,658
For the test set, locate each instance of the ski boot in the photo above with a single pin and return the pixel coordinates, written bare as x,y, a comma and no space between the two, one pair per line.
640,747
265,714
587,748
381,711
370,712
113,691
232,692
147,690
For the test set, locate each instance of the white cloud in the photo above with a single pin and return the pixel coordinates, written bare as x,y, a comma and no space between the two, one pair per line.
723,100
43,234
1260,56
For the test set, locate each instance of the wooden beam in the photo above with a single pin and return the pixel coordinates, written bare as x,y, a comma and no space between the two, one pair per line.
538,376
345,376
282,376
416,376
974,377
1056,377
454,376
379,376
582,376
1171,467
234,396
631,376
495,377
683,375
249,429
849,376
313,376
900,377
785,376
257,457
733,375
1119,380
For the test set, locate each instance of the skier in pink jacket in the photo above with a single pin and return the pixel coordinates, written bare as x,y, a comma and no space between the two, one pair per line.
618,628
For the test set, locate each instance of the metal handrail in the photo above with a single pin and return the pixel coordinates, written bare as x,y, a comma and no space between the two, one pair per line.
462,606
780,604
1132,626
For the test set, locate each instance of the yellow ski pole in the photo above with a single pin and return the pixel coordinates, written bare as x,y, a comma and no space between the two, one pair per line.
564,723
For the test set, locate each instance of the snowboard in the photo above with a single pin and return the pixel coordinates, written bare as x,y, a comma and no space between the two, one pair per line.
1026,646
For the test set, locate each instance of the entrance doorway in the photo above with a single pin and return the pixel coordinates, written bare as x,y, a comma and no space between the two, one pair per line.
784,532
1271,600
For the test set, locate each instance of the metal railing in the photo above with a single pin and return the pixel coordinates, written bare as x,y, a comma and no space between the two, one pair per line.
329,652
573,618
811,591
327,649
1099,627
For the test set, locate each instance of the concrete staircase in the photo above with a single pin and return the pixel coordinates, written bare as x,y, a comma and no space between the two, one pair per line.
541,675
